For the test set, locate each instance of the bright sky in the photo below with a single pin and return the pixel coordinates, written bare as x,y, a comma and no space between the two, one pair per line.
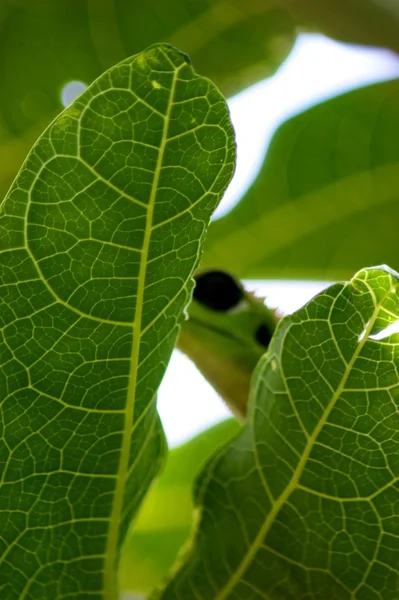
317,69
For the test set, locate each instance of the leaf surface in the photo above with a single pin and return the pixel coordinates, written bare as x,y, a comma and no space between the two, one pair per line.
301,504
99,236
326,200
166,514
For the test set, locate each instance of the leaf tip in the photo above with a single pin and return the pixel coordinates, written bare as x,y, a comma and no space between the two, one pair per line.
385,268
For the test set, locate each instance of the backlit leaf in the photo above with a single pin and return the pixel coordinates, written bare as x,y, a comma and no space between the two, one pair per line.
303,503
99,236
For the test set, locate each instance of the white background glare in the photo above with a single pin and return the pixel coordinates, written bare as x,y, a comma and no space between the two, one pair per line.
71,91
317,69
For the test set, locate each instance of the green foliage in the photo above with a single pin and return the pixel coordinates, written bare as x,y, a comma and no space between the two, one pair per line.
234,43
326,201
372,22
301,503
100,235
164,521
44,44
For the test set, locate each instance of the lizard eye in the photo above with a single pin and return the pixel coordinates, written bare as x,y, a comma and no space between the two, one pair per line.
263,335
217,290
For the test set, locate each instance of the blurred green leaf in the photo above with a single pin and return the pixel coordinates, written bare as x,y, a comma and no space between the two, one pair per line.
301,504
99,237
166,515
370,22
47,43
326,201
44,44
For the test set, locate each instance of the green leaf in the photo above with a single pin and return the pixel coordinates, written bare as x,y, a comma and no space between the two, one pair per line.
165,518
326,201
99,237
371,22
45,44
301,504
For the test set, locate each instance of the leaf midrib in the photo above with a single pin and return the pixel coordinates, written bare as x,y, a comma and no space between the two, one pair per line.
111,558
246,561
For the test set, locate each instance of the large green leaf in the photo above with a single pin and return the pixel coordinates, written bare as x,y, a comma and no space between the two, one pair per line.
303,503
166,515
99,237
326,201
372,22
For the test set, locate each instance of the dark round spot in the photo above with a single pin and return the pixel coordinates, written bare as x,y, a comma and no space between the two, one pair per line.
217,290
263,335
